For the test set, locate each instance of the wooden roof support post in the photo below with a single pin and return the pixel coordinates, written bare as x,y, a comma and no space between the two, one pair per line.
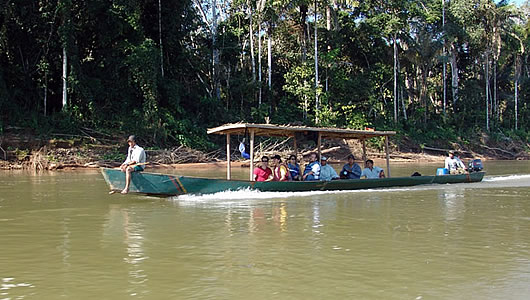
228,171
319,147
364,150
295,147
251,155
387,157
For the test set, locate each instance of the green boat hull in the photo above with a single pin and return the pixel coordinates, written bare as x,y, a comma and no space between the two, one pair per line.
172,185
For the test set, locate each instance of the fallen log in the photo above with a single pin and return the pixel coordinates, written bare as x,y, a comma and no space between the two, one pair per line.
500,150
443,150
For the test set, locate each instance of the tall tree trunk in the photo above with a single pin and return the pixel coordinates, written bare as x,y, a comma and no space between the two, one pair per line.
215,74
395,77
65,79
252,56
454,73
45,91
259,62
403,103
486,77
518,69
495,107
328,28
303,19
424,96
444,73
269,57
317,102
160,37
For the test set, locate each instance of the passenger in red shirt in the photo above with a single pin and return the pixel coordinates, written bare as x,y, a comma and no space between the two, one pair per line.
262,172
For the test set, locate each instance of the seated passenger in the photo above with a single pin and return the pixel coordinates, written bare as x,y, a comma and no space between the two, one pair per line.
351,170
294,168
372,172
281,172
242,149
327,173
312,169
262,172
454,165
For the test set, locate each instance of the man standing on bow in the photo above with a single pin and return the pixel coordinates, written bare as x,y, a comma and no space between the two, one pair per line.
135,161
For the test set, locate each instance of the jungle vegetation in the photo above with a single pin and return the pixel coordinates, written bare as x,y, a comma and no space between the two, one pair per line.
168,69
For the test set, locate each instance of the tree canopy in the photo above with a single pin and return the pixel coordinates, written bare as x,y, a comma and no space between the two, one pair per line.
168,69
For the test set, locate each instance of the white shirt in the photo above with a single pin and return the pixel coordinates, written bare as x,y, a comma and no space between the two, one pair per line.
373,173
454,163
136,154
327,173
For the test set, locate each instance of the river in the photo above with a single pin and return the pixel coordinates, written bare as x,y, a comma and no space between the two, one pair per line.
62,236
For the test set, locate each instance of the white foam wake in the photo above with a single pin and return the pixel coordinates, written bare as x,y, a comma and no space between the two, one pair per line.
248,194
506,177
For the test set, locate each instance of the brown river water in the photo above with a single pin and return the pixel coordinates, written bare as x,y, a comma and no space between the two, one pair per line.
62,236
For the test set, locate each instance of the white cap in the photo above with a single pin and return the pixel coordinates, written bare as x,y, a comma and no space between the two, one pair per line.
323,158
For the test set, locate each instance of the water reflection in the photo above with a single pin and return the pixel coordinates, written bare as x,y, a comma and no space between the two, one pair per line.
261,217
121,223
453,203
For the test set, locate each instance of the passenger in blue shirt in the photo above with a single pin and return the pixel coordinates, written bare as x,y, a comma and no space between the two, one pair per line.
351,170
294,168
312,170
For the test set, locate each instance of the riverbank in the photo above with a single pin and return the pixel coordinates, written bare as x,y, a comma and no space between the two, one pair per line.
22,150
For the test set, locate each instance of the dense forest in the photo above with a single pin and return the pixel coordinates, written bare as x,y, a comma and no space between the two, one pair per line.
168,69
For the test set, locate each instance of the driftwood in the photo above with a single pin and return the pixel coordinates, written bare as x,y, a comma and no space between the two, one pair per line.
5,153
443,150
305,153
181,155
500,150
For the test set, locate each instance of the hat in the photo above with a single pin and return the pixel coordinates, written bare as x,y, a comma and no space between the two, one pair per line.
451,152
131,138
323,158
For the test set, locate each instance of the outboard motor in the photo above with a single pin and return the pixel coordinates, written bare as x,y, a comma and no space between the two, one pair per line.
475,165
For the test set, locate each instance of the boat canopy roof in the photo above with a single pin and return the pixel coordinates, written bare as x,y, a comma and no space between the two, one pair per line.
290,130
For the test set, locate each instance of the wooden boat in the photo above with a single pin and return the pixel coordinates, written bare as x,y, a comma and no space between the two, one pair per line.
172,185
164,184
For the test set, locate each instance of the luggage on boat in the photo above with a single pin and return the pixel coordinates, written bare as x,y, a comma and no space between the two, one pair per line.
442,171
475,165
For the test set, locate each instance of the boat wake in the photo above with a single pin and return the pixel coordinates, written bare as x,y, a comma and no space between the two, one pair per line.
522,180
506,177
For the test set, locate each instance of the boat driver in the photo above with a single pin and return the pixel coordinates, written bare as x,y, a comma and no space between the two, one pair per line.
453,164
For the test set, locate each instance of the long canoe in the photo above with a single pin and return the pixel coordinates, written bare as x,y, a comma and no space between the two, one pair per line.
172,185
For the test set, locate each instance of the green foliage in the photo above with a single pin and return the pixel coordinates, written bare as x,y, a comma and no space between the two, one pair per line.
260,114
376,143
299,84
355,118
115,81
21,154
